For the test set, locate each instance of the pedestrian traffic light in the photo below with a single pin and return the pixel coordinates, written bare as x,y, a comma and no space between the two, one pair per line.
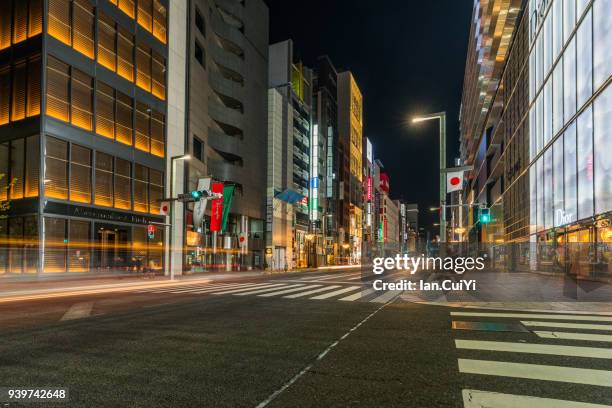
485,215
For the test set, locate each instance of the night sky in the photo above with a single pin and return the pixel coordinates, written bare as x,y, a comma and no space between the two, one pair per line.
408,57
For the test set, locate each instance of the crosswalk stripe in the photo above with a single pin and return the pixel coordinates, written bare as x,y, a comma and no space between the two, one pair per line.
573,336
479,399
282,292
219,287
255,292
386,296
355,278
603,327
310,292
335,277
550,349
536,316
537,372
358,295
242,289
336,292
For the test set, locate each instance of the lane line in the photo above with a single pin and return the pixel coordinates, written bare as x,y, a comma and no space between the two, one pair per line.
537,372
310,292
480,399
78,311
269,285
320,357
574,336
550,349
536,316
255,292
336,293
358,295
282,292
387,296
603,327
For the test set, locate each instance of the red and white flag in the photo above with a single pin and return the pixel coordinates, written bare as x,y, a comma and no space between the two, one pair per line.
454,181
164,208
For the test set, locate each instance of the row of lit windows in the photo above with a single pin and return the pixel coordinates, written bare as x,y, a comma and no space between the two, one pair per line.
19,168
20,90
19,20
70,98
152,15
73,23
69,176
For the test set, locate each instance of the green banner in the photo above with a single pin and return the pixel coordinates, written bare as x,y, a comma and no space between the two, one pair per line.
228,195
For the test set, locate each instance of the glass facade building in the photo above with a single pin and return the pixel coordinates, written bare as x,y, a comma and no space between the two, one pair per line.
541,147
82,135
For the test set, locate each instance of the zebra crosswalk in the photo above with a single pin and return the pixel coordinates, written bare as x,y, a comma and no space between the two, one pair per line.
285,290
576,353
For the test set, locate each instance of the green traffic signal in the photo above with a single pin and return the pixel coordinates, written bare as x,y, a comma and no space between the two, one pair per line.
196,195
485,216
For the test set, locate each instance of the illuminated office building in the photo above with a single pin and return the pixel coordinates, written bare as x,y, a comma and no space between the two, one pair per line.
83,114
535,123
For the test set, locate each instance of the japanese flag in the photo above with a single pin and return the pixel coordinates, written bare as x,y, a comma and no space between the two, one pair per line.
454,181
164,208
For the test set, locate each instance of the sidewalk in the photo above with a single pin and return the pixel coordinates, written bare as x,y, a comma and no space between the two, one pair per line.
13,290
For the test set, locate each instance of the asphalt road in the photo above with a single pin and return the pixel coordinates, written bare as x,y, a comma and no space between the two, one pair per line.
299,340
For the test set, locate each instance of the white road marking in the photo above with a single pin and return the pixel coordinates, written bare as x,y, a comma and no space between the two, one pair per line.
574,336
537,372
603,327
284,291
550,349
480,399
255,292
78,311
387,296
310,292
536,316
336,292
355,278
205,289
358,295
243,288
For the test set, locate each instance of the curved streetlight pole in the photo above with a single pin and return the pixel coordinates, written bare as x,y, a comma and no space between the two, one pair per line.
442,117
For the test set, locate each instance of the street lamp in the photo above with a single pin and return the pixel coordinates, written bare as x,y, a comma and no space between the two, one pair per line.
442,117
172,200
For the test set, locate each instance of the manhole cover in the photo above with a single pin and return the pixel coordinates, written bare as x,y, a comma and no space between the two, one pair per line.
489,326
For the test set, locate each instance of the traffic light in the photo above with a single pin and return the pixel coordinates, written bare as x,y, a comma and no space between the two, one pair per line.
196,195
485,216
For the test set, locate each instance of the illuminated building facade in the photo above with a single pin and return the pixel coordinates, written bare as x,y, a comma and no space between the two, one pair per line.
291,242
535,123
350,128
83,113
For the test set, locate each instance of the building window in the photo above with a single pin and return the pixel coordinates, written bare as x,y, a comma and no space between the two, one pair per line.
200,55
145,18
82,100
80,174
160,23
14,167
200,23
123,184
72,22
58,89
158,70
17,168
198,149
55,245
19,20
125,54
143,131
106,42
32,154
143,67
141,184
127,6
602,38
156,190
603,140
158,124
104,180
569,80
56,168
105,110
19,91
584,60
569,145
585,163
79,254
124,118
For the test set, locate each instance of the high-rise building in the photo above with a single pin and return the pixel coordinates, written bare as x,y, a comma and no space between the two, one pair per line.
291,240
535,124
350,129
83,141
226,128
